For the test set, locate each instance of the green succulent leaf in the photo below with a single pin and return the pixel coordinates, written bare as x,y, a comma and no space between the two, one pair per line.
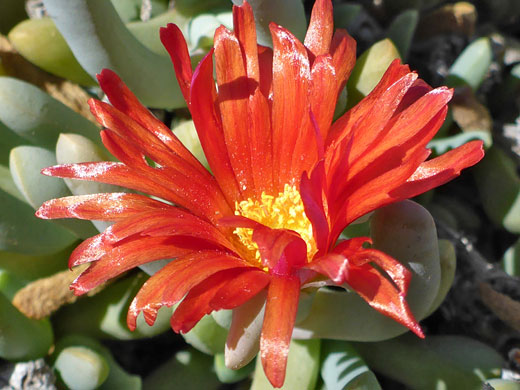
189,370
207,336
402,29
343,368
227,375
22,232
99,39
503,384
8,140
81,368
26,162
104,314
511,260
472,65
13,11
433,363
346,14
37,117
22,338
499,188
303,365
117,377
369,69
39,41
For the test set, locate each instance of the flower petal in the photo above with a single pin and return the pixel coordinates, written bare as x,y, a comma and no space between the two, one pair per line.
127,256
174,42
99,207
290,110
209,127
197,303
233,94
440,170
314,201
323,94
343,50
112,173
319,33
280,314
240,289
174,280
245,31
125,101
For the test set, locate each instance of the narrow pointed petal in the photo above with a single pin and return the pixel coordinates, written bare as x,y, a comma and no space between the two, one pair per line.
209,127
260,143
240,289
161,223
352,267
99,207
280,314
291,82
174,42
440,170
111,173
127,256
197,303
265,61
313,198
319,33
323,95
206,200
245,31
343,50
125,101
173,281
233,95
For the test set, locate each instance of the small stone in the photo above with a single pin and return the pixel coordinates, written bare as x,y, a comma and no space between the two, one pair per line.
32,375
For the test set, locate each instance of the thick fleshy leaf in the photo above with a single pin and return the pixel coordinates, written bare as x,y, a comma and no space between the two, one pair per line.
74,148
207,336
184,370
280,313
343,368
22,338
402,29
499,188
37,117
452,362
112,46
117,377
81,367
22,232
471,66
369,68
40,42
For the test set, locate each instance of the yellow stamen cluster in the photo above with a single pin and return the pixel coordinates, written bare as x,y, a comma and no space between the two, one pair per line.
286,211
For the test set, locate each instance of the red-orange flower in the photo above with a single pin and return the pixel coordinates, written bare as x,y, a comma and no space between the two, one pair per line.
285,180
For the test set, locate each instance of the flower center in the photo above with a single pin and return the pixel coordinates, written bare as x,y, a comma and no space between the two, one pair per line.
286,211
